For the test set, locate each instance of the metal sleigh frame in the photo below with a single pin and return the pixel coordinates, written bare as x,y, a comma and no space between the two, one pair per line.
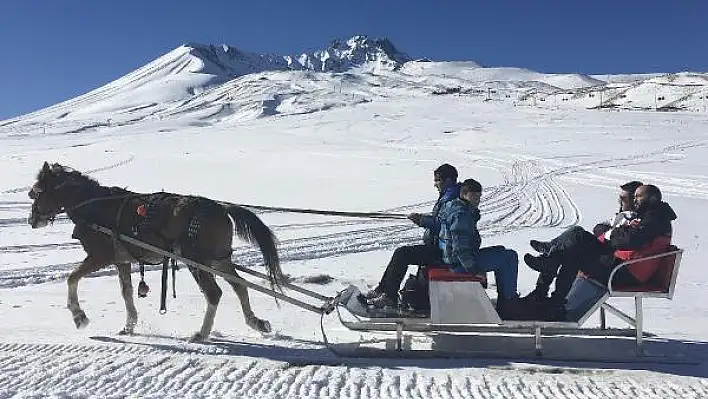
437,323
484,319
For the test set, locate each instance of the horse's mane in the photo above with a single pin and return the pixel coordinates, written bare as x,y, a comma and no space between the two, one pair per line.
70,174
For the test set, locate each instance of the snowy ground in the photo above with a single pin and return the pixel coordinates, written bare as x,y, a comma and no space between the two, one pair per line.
542,170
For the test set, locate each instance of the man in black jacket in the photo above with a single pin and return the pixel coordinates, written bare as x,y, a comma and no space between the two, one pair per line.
578,240
585,252
653,220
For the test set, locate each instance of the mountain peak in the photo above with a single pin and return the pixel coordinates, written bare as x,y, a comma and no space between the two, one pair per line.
357,51
339,56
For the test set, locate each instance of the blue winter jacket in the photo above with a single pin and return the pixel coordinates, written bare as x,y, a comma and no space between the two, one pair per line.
431,222
459,238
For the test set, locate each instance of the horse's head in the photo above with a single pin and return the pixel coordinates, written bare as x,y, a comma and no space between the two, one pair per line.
50,194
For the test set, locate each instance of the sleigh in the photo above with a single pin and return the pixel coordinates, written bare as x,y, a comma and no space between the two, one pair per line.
460,306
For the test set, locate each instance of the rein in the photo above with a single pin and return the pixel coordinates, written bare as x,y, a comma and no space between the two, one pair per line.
370,215
97,199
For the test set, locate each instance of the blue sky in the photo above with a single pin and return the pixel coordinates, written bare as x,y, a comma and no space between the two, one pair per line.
55,50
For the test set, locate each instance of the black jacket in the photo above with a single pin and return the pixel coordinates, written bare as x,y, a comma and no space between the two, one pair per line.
654,221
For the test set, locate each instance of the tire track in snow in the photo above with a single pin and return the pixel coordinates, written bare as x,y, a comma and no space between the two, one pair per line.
587,172
190,370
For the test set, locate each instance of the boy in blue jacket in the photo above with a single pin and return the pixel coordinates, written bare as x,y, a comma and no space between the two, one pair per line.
460,244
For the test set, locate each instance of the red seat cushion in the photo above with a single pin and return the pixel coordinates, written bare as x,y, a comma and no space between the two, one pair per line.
660,281
645,270
445,274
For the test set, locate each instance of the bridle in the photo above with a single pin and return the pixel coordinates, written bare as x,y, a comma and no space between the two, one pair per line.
50,216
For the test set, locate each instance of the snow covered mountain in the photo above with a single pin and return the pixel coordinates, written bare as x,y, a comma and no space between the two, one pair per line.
237,80
340,56
215,84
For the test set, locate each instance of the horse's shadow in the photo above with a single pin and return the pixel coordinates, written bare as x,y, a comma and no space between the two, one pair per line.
220,346
562,355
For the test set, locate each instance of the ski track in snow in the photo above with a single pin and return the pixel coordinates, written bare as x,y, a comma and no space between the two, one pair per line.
157,371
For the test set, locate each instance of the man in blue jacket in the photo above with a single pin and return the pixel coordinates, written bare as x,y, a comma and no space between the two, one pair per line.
385,295
460,244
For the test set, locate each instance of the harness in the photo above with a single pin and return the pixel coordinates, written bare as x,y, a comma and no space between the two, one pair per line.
148,210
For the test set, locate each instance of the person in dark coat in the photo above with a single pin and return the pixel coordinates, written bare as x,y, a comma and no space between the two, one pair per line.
577,239
386,292
581,251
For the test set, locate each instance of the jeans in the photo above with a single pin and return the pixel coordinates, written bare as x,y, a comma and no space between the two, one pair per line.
505,265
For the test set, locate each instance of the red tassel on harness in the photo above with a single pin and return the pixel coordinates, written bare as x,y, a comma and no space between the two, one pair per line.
141,210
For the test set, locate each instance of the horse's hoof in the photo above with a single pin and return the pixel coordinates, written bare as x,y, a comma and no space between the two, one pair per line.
81,321
125,331
259,325
197,338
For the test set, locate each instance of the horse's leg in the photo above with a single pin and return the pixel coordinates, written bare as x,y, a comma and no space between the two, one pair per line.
212,292
126,289
251,319
242,292
88,266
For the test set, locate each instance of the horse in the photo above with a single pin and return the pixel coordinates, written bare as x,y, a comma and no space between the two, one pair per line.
197,228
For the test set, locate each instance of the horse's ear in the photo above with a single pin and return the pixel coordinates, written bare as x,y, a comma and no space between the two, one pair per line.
56,168
45,168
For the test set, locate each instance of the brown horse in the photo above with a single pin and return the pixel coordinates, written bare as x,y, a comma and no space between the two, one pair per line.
196,228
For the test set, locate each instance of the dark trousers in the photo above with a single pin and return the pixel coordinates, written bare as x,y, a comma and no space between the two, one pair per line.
577,249
421,255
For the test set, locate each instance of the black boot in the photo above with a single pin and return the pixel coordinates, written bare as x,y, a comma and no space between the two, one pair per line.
373,294
539,294
555,308
513,309
542,247
376,292
543,264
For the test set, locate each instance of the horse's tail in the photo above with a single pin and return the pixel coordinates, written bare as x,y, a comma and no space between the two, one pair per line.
250,228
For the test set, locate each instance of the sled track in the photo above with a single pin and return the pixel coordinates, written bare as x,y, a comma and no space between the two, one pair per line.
187,370
617,169
522,201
